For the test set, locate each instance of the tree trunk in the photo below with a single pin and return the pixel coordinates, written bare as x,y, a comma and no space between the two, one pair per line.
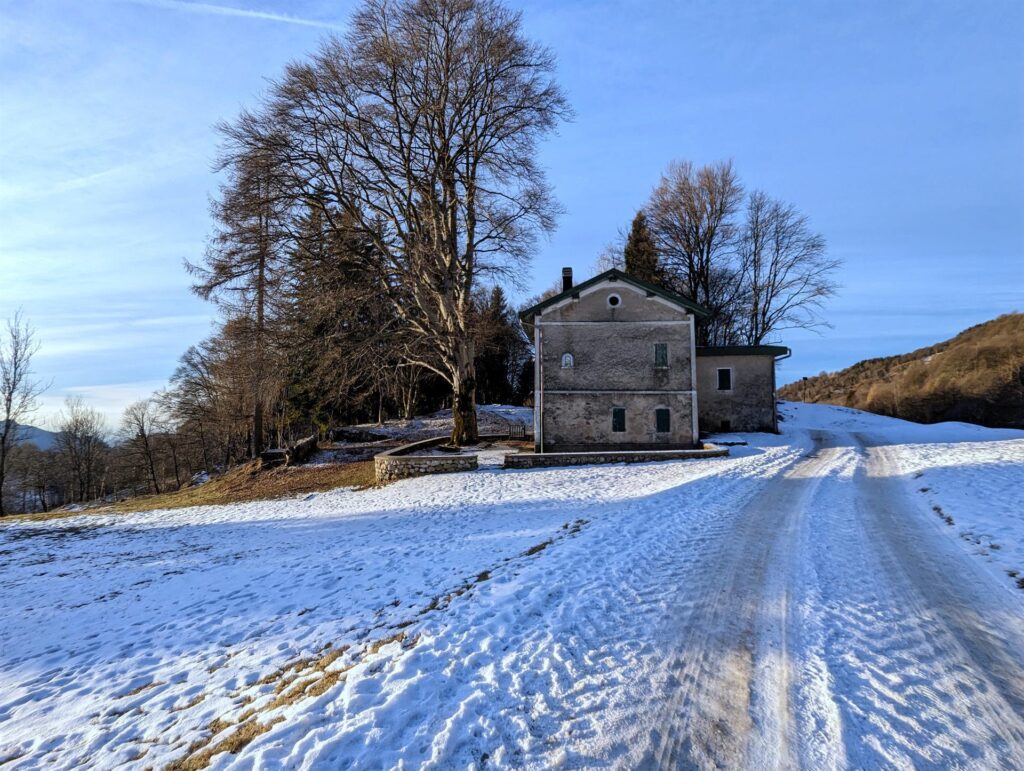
409,392
174,460
208,467
148,451
261,298
5,438
464,430
257,430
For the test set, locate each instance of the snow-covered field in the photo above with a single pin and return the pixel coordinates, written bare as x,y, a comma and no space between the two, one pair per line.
799,603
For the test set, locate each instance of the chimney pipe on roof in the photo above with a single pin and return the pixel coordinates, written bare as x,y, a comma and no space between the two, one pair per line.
566,279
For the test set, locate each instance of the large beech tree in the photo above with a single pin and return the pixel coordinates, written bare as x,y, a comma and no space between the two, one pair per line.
421,127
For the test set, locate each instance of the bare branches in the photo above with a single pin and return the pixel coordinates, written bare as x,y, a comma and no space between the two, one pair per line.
138,426
19,391
81,446
419,129
786,270
758,271
692,216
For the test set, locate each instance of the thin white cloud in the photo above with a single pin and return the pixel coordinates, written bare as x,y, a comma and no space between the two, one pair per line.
109,399
225,10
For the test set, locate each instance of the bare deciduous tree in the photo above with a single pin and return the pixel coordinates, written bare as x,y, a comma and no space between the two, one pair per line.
757,271
787,274
19,391
692,218
421,127
81,447
138,425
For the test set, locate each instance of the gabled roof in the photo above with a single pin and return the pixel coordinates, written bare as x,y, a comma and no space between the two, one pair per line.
615,275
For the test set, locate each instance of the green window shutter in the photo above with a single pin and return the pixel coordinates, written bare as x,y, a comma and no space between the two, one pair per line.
662,420
618,419
661,354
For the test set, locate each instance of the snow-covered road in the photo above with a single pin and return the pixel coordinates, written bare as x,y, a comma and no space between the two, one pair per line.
843,630
841,596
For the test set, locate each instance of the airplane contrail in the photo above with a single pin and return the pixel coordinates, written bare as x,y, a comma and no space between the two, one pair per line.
224,10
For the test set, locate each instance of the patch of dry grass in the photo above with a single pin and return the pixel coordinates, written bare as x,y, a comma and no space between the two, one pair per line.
201,753
538,548
302,679
140,689
195,700
250,483
240,485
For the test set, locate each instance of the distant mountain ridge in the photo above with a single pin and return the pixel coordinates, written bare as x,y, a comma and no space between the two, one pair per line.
976,377
40,437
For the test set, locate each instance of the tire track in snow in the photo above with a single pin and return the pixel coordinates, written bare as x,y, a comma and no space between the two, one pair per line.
732,707
925,654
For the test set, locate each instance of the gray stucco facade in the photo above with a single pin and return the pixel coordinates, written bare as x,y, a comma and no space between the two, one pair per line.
617,368
598,353
748,403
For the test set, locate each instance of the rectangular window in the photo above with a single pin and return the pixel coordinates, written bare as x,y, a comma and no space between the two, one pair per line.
618,419
661,355
662,421
725,380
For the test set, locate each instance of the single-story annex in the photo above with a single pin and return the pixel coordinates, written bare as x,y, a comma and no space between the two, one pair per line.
617,367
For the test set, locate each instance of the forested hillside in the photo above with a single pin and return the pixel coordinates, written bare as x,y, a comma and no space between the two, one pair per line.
977,377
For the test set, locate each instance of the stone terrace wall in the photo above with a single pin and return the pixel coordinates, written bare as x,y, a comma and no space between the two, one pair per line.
390,468
403,462
537,460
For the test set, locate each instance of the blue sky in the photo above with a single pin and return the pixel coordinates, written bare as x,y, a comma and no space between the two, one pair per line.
898,128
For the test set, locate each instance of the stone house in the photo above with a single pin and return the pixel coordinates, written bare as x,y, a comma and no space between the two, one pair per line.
617,367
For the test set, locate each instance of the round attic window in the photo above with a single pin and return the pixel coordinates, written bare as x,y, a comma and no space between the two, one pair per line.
614,301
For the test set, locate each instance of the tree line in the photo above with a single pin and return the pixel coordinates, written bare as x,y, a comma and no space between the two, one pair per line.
372,205
203,421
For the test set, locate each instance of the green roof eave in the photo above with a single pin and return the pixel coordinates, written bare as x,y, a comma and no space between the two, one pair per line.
615,275
743,350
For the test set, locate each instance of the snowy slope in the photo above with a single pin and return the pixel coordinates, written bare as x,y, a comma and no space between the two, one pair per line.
775,608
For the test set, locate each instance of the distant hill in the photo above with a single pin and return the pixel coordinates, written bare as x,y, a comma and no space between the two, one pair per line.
40,437
977,377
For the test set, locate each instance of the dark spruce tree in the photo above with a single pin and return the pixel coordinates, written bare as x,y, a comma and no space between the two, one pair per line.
640,252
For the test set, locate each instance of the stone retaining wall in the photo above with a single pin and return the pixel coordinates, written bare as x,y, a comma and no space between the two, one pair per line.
389,468
403,462
538,460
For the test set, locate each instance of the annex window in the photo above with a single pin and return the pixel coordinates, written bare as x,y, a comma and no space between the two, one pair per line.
618,419
662,420
661,355
567,361
725,379
614,301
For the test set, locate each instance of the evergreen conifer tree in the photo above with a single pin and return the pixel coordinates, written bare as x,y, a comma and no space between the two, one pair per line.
640,253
